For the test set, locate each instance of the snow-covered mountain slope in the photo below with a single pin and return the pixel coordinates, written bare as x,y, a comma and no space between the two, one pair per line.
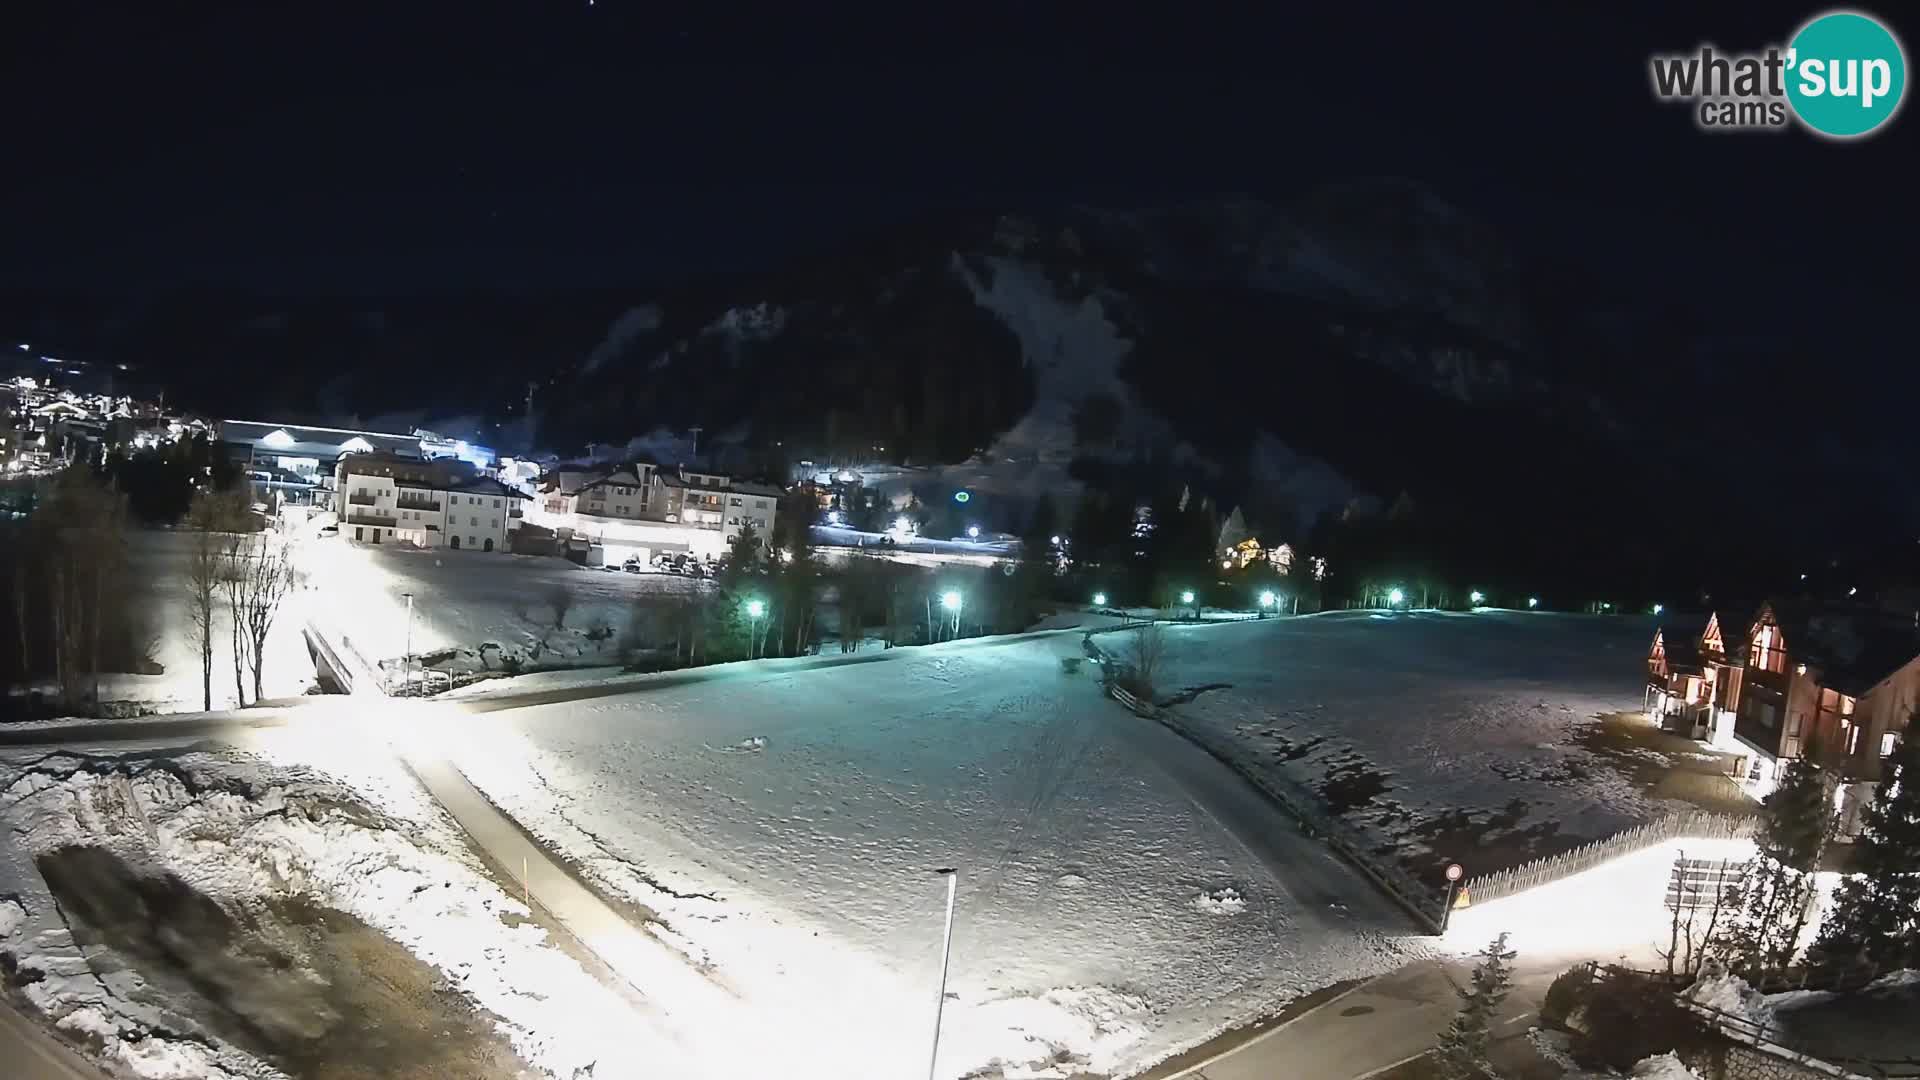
1236,343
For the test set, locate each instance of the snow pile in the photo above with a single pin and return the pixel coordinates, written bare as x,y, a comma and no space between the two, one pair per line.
1731,995
800,878
239,830
1220,902
1663,1067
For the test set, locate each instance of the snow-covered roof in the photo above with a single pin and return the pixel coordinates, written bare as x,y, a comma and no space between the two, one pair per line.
751,487
487,485
298,440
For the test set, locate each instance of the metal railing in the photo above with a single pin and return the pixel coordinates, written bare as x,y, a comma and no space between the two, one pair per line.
359,499
383,518
404,503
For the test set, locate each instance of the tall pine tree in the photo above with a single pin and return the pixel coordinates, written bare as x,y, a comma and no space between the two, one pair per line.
1463,1046
1775,896
1876,912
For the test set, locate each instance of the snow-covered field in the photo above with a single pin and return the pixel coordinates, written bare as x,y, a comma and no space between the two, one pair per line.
274,899
1446,736
466,599
784,827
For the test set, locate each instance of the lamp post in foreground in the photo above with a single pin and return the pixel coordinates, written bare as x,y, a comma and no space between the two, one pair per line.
951,601
755,609
946,953
406,672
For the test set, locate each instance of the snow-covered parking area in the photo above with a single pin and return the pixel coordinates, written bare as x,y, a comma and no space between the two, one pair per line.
1443,736
784,826
464,600
297,907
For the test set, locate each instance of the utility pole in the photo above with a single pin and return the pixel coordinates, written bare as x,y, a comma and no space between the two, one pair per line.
695,431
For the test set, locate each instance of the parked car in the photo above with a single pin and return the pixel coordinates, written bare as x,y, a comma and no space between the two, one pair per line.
632,565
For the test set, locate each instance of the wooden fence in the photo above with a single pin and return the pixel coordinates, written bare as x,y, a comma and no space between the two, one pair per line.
1686,825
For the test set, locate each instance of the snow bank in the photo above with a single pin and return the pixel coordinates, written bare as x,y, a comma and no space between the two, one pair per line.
238,828
1730,994
1663,1067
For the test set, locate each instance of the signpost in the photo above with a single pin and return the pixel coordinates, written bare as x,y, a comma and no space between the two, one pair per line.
1454,873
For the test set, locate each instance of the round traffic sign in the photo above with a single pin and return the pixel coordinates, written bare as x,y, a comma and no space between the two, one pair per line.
1454,872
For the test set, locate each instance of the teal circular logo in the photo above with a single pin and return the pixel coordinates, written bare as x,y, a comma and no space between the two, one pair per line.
1845,74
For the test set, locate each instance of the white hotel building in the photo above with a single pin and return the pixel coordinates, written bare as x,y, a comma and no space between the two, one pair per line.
642,510
388,499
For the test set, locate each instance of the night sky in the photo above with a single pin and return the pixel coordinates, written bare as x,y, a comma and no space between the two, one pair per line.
415,147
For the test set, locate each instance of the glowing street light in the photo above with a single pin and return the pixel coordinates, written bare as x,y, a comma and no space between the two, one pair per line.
1533,601
1099,599
1186,597
1267,600
1658,608
1477,597
1054,540
951,601
973,532
755,609
1395,598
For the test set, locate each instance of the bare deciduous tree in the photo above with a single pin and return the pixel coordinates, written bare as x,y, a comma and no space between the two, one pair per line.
1147,656
560,599
210,517
258,575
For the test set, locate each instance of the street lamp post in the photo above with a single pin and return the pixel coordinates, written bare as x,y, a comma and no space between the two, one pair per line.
1186,597
946,954
1266,603
406,671
755,609
951,600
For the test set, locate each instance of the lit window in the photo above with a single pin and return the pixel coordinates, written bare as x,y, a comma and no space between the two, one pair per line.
1767,652
1888,744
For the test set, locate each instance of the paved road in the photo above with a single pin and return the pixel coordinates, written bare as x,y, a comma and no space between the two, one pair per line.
1369,1029
27,1052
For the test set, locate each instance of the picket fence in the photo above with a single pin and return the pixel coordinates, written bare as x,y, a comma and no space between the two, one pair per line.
1684,825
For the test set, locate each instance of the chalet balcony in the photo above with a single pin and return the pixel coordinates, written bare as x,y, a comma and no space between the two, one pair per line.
358,499
381,518
405,503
